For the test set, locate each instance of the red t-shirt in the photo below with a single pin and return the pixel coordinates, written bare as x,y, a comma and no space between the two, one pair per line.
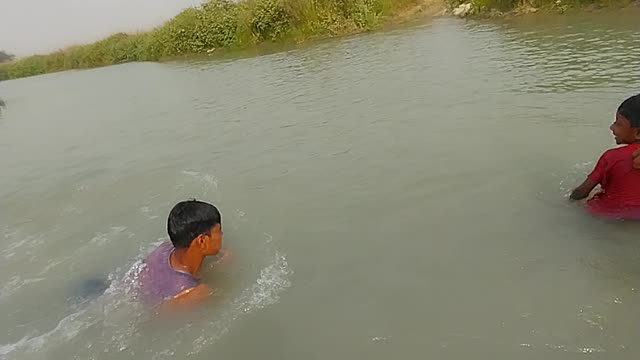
620,182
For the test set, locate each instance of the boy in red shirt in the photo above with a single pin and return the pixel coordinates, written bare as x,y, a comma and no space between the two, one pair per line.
620,182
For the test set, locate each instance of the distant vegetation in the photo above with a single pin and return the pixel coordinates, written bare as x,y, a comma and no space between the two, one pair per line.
560,6
5,58
225,24
218,24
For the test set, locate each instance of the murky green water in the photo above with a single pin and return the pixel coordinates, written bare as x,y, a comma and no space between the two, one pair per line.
391,195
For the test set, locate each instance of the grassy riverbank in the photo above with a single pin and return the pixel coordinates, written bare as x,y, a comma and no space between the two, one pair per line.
222,24
225,25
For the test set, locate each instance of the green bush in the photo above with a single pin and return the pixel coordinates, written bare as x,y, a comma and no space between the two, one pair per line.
195,30
270,20
217,24
30,66
367,13
4,71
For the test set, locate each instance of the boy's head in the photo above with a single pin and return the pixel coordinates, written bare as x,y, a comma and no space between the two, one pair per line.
626,128
195,224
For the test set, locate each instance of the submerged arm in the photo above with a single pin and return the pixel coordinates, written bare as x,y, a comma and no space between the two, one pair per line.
188,297
583,191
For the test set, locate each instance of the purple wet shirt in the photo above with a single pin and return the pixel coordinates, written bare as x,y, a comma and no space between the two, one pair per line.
159,280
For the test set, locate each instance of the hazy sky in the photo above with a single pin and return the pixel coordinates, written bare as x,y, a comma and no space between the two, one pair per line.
36,26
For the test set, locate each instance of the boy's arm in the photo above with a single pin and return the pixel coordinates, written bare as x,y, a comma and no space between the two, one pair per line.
188,297
194,294
583,191
594,178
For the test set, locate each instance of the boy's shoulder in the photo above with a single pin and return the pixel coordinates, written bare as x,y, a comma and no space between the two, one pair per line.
615,157
163,248
621,151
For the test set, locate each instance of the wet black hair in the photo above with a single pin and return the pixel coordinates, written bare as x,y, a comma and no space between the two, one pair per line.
630,109
191,218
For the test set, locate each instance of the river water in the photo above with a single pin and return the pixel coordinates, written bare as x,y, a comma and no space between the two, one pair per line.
397,194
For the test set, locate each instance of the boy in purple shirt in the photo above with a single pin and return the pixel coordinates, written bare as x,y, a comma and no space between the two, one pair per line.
170,275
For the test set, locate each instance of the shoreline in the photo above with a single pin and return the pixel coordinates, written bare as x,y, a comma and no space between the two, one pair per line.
469,10
142,47
229,27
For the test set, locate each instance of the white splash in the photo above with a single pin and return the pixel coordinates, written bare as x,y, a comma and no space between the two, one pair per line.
25,244
119,297
117,315
273,279
209,181
114,231
380,338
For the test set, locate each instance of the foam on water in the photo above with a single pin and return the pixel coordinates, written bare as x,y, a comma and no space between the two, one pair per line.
117,296
273,279
17,242
210,181
14,284
66,329
104,238
575,177
113,323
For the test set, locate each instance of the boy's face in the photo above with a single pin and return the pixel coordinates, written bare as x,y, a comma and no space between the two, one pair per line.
623,132
211,243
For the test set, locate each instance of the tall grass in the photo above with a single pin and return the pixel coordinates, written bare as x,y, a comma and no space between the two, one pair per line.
4,71
218,24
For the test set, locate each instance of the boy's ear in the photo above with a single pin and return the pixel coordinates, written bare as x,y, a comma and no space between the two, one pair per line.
200,240
636,133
